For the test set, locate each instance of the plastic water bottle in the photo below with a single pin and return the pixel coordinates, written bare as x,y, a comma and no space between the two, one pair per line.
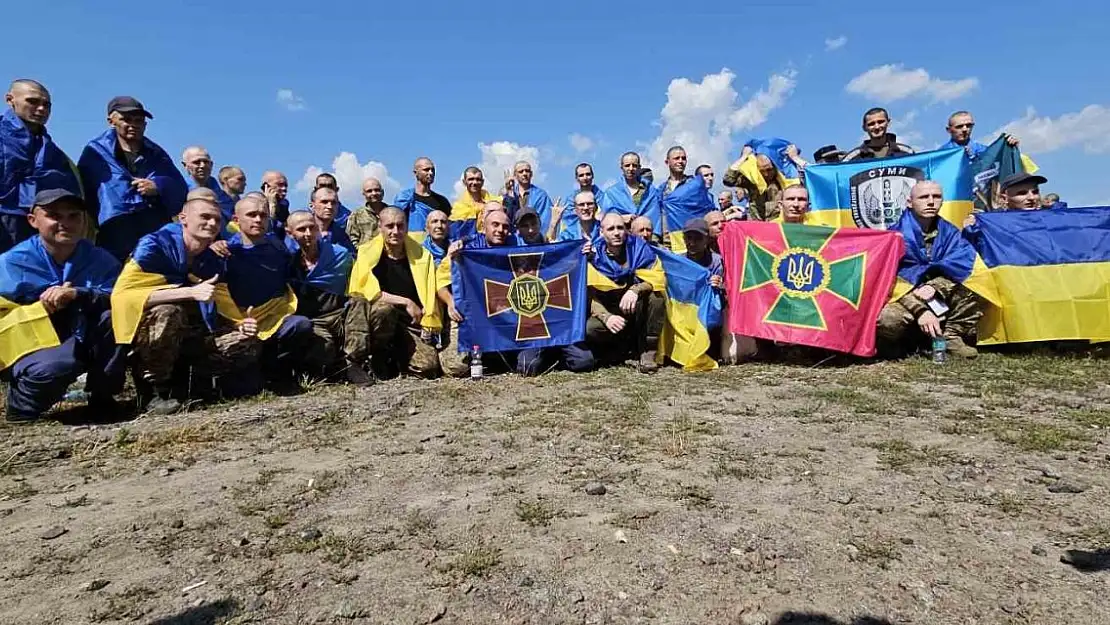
940,350
476,372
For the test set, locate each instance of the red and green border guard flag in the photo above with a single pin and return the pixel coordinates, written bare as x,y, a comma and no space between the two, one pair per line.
809,285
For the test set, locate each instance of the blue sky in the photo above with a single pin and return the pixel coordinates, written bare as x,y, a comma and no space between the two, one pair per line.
387,82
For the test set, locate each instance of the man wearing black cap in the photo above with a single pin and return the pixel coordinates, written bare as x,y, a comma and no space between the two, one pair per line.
827,154
54,308
29,159
1022,191
528,227
133,186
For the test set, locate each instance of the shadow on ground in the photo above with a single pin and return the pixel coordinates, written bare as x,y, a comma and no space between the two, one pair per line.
207,614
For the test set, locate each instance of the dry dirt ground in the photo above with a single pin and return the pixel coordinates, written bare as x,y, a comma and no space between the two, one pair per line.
897,492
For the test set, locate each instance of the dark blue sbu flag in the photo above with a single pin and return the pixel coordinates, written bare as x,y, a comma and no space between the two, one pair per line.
521,297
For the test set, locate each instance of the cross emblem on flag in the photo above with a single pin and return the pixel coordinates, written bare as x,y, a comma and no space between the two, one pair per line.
528,296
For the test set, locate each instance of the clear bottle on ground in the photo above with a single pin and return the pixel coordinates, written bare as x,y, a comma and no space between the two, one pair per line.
476,372
940,350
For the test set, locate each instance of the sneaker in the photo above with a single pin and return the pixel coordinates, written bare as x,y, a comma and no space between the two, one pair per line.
161,407
358,376
647,362
956,346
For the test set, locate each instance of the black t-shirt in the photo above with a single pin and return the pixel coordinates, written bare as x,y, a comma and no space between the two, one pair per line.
395,277
435,200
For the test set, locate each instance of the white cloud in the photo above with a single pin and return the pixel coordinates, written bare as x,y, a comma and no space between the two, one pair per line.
350,174
581,143
903,127
1089,128
498,158
290,101
702,117
888,83
835,44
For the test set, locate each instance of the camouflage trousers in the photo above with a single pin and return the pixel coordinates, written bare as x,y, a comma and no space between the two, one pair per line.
454,363
322,358
385,333
168,333
898,325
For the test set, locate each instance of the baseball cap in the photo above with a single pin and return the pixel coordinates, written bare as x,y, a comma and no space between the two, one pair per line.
1020,178
826,152
697,224
127,104
50,196
525,212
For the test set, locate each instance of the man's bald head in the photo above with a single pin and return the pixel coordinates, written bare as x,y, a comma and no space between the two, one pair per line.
197,162
491,207
296,218
611,217
30,101
643,228
373,192
201,220
276,180
926,198
202,193
391,212
424,170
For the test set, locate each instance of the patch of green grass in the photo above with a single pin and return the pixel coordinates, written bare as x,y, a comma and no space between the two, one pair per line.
477,560
535,513
693,496
1091,417
1038,436
879,551
277,520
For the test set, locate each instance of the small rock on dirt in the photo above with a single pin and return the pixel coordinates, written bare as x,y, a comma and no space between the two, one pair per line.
1050,472
620,536
94,585
348,610
596,488
436,613
844,498
177,524
754,618
310,534
1039,550
1067,487
53,532
577,596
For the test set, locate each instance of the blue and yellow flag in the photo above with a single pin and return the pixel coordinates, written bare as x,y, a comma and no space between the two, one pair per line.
26,271
693,308
515,298
1051,269
692,305
873,193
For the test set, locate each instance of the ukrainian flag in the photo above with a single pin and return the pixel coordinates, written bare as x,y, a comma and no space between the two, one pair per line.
873,193
1051,269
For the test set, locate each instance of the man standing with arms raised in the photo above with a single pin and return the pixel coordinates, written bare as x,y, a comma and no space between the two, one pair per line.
420,200
29,160
131,184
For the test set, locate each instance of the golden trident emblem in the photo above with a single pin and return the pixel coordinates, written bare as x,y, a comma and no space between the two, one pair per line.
799,272
528,295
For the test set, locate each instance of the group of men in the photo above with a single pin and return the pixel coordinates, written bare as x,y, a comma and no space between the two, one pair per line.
121,262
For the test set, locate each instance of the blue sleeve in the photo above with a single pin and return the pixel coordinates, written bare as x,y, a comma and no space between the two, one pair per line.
93,172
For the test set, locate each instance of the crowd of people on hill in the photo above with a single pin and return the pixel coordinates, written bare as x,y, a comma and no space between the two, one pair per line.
121,262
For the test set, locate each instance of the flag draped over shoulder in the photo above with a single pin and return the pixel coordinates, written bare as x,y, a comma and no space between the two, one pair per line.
332,270
619,200
158,262
464,216
1051,269
775,149
514,298
421,265
30,163
26,271
687,201
256,276
693,309
952,256
808,285
110,193
873,193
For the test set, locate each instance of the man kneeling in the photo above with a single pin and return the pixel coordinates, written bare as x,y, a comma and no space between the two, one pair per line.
936,260
626,310
54,317
395,275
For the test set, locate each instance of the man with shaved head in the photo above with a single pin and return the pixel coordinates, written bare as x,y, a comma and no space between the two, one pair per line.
634,196
467,209
325,204
329,181
320,274
275,187
520,192
715,220
560,220
198,167
162,306
938,305
627,308
526,362
29,159
641,227
683,197
437,240
233,181
363,222
396,277
420,199
795,204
